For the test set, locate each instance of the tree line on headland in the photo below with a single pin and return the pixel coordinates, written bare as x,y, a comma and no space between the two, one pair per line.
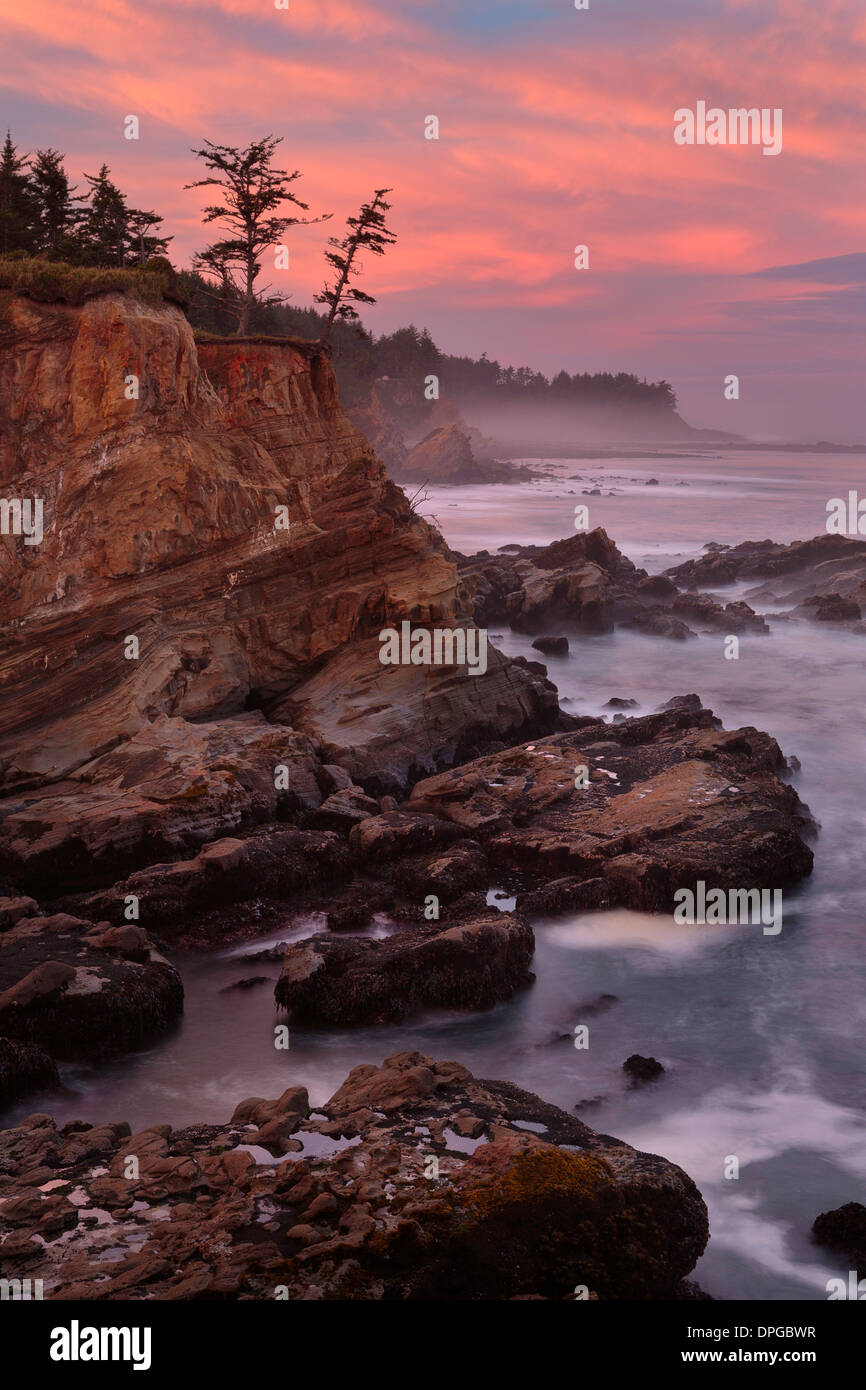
44,217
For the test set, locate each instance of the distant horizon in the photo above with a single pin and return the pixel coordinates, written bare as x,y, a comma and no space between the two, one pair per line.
703,261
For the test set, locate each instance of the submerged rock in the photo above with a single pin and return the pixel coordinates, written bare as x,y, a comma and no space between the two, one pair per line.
831,608
640,1069
733,617
656,622
683,702
763,559
554,646
24,1067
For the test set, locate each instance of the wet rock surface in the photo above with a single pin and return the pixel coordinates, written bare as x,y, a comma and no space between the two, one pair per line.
24,1067
586,582
81,990
415,1181
472,963
552,646
844,1231
670,799
639,1069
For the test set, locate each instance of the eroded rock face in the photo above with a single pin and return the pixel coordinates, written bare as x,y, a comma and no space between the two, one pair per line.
377,422
454,453
574,580
417,1182
443,456
161,524
388,725
170,787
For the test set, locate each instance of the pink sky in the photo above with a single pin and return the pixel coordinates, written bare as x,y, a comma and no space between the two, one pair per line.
556,129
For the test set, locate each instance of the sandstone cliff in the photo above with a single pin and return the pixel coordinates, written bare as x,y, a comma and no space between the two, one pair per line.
454,454
162,465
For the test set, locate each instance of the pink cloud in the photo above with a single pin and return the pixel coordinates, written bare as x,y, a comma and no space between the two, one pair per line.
547,140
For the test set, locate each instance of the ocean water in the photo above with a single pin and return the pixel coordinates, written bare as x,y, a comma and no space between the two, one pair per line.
762,1037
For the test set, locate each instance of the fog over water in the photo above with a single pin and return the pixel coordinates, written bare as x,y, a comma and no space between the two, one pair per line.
761,1036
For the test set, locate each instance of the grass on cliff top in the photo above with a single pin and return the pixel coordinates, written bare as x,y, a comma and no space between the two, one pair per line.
309,345
58,282
53,282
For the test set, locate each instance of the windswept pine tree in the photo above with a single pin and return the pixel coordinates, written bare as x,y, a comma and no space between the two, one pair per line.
251,192
366,232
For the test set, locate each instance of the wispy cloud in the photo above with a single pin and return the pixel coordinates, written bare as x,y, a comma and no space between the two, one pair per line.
556,129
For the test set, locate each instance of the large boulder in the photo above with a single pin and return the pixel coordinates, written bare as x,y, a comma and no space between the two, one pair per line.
81,990
388,725
843,1230
473,963
170,788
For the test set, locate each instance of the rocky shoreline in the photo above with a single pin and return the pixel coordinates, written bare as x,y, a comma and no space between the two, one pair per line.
415,1181
669,799
254,758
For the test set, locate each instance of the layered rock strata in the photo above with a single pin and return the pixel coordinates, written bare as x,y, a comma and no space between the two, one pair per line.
212,502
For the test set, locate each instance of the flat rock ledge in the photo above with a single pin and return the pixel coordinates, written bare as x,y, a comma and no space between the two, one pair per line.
669,799
416,1181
